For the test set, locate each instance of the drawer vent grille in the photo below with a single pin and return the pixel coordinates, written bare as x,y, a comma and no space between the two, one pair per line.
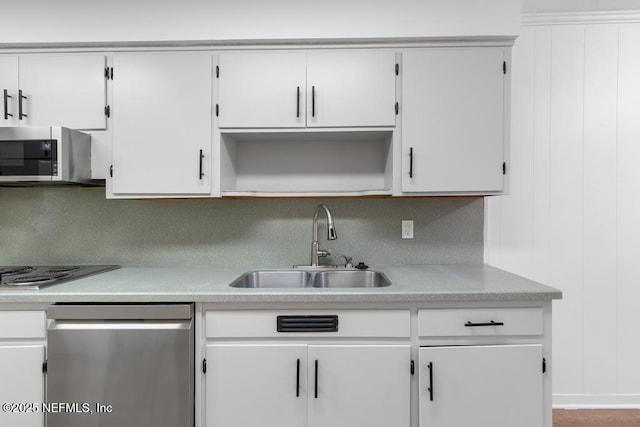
309,323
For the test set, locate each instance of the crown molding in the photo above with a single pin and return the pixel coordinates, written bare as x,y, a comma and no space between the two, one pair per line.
577,18
364,43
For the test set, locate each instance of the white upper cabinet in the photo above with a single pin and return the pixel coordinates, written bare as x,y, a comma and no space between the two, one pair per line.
314,89
162,124
262,90
62,90
9,88
351,89
453,120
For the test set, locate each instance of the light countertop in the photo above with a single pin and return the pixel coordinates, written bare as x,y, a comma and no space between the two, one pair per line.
410,283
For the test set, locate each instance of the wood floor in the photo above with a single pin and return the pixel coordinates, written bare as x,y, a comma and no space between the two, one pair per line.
596,417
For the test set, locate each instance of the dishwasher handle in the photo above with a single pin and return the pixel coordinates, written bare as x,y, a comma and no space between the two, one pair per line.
118,325
120,312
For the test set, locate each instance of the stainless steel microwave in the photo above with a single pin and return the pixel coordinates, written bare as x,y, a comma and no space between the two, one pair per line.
44,155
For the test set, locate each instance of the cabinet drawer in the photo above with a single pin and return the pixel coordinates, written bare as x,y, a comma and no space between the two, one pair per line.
480,322
22,324
333,323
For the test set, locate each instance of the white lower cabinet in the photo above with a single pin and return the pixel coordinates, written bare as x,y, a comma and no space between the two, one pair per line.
290,385
21,385
438,365
22,355
481,386
365,385
292,368
256,385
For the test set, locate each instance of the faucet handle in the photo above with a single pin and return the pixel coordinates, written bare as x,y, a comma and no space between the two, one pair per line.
324,252
347,261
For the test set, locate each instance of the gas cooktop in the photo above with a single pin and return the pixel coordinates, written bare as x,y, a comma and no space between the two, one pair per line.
36,277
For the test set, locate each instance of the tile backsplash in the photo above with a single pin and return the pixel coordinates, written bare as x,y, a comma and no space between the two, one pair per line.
78,225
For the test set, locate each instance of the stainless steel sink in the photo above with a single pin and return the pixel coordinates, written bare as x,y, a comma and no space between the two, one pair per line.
311,279
273,279
350,279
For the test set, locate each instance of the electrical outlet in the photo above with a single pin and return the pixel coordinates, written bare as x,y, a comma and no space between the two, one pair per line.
407,229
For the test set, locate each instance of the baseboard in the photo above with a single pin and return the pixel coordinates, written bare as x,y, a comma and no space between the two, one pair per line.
596,401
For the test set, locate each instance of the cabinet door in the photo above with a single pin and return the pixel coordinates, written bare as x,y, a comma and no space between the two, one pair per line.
9,83
452,120
22,381
262,90
351,89
64,90
359,385
162,123
492,386
256,385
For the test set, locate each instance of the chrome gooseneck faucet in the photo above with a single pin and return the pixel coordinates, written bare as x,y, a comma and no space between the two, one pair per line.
316,253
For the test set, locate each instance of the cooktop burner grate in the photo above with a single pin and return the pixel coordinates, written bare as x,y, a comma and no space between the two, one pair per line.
35,278
64,269
39,276
15,270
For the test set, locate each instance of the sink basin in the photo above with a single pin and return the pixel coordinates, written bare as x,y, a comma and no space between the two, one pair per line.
273,279
350,279
307,279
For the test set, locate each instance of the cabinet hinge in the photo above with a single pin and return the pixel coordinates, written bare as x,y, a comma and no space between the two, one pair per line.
504,67
413,368
397,69
44,367
111,171
397,108
108,73
217,71
107,111
204,366
544,365
217,110
504,168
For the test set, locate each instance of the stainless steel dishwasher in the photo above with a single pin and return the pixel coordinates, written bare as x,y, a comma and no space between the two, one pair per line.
120,365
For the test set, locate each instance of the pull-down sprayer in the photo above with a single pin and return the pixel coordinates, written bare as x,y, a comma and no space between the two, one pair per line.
316,253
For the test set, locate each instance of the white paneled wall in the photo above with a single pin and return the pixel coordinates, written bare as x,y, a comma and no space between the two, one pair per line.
572,219
628,212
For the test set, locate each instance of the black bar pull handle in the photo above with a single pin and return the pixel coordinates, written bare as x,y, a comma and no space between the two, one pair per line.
6,105
298,378
490,323
411,162
313,101
20,98
430,389
201,174
316,380
298,102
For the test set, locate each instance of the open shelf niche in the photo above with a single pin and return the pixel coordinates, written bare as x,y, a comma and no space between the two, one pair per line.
339,163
